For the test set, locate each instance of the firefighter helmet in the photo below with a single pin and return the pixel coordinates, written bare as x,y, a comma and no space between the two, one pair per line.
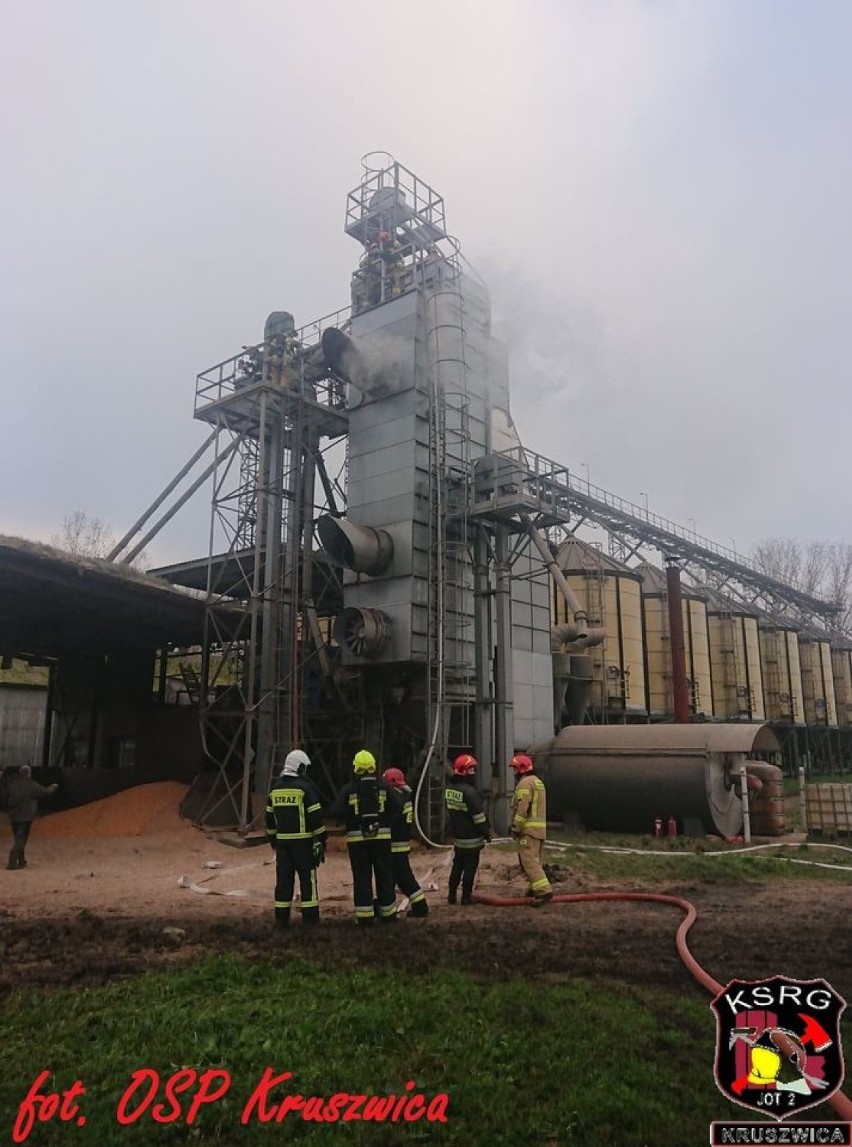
295,763
464,765
364,762
521,763
394,777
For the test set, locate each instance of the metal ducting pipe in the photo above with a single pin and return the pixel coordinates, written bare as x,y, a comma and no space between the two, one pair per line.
580,629
367,369
570,634
579,691
359,548
363,632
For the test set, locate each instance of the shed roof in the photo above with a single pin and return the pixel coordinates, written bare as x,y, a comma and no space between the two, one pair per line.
54,603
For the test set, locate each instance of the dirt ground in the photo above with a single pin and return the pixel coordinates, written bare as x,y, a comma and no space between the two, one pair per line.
103,882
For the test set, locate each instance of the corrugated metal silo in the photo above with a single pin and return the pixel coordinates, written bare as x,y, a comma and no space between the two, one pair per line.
841,667
817,680
611,594
734,659
782,672
658,660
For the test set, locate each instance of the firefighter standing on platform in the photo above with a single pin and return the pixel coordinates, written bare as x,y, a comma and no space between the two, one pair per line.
369,807
404,878
390,251
295,829
529,826
469,828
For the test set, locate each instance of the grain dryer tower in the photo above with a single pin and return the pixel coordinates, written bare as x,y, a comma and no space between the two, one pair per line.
428,399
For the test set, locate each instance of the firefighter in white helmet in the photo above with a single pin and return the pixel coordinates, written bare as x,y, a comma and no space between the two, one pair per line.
295,829
529,826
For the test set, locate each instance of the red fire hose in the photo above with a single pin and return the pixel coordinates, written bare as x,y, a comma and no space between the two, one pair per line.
841,1103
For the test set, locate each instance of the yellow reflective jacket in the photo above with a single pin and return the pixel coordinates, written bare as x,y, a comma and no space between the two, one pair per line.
529,807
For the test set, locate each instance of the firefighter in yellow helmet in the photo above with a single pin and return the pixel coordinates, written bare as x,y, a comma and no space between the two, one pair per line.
529,826
369,807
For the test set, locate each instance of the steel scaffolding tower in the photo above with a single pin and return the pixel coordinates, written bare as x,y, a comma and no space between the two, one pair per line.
277,414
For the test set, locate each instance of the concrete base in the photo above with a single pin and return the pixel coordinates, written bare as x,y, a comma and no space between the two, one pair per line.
235,840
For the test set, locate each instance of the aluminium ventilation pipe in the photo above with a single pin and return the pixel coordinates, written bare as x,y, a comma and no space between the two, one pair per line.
580,632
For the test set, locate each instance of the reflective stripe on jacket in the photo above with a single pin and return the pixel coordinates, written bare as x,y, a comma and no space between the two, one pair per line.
529,807
347,808
293,810
401,827
468,823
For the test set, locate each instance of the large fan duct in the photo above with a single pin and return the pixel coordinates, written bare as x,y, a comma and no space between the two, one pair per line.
350,362
359,548
363,632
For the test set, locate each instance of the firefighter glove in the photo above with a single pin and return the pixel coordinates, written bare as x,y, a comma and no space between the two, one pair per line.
319,853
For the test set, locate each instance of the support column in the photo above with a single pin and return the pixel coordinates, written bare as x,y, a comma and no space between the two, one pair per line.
503,701
483,720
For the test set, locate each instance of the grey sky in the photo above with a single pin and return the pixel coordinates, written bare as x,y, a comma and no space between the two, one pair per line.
657,194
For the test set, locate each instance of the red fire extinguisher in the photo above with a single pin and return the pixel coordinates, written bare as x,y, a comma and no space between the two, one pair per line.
658,826
671,827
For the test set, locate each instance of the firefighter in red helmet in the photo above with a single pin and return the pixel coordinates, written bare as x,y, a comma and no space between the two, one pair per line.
469,827
404,878
529,826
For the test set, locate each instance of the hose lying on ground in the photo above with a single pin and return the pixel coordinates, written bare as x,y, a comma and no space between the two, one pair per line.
841,1103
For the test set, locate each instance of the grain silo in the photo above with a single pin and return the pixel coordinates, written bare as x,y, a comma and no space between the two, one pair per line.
734,659
611,595
658,658
782,673
841,668
817,679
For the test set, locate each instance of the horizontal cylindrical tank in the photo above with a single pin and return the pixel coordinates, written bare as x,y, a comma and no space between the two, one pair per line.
619,778
611,596
841,668
782,672
696,638
734,660
817,680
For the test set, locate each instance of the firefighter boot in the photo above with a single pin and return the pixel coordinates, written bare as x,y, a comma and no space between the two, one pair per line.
282,917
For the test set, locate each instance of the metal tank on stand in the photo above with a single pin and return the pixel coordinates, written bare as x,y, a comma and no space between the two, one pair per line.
734,659
818,744
611,595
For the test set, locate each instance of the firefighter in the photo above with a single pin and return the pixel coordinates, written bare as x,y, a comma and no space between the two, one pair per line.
295,829
404,878
469,827
369,806
529,826
390,251
367,280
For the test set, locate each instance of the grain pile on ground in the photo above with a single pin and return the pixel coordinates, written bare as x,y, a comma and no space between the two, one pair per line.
139,811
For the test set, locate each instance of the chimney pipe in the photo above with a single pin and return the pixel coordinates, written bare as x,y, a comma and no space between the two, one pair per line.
680,685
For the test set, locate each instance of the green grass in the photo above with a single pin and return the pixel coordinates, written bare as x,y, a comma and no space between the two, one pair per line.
582,1062
670,859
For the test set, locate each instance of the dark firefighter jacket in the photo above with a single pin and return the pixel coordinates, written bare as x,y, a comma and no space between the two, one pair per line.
293,810
401,827
347,807
469,825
